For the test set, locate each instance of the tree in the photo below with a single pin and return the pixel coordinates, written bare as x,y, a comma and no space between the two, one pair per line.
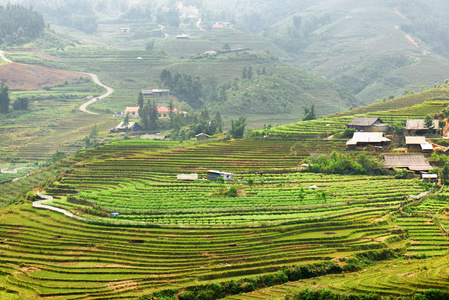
309,113
126,122
20,104
140,101
428,122
244,73
219,122
4,98
149,46
226,47
171,114
93,132
238,127
250,72
152,116
445,174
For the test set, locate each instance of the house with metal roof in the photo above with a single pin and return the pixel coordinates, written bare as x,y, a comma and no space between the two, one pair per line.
418,143
213,175
202,136
372,124
418,127
368,138
412,162
132,127
156,93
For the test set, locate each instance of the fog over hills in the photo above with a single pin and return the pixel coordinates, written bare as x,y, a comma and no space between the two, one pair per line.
373,48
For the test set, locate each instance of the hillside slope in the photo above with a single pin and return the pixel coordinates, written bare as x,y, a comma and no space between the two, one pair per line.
360,45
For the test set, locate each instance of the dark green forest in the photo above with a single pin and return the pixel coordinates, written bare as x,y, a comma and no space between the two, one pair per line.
19,24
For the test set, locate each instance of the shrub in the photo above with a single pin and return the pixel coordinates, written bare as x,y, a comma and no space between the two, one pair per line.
401,174
232,191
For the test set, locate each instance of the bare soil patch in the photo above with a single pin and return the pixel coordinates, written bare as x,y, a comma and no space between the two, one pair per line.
31,77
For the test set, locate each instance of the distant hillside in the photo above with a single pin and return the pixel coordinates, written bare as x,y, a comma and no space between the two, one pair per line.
284,90
361,46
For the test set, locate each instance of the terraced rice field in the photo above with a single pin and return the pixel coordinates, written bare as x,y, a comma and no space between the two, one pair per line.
141,185
327,126
172,234
46,254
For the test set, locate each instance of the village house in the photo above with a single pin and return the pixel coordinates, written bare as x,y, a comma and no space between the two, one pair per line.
156,93
418,127
370,124
367,138
124,30
132,112
214,175
412,162
132,127
164,112
202,137
418,144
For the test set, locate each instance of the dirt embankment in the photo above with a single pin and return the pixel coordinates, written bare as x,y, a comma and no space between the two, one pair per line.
31,77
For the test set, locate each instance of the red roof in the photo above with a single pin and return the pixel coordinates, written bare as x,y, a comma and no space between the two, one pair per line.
161,109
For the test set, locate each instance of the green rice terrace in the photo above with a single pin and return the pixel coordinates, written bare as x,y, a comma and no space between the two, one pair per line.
176,238
137,232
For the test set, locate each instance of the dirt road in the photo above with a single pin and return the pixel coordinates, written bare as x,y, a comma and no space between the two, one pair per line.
109,91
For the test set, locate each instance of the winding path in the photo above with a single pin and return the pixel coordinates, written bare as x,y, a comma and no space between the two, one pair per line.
40,204
94,77
2,57
109,91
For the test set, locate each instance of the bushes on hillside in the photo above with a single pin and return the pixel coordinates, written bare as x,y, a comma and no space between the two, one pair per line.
338,163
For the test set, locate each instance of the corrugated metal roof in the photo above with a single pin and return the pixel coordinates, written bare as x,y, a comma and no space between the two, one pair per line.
415,140
427,146
364,121
122,125
413,162
419,125
367,137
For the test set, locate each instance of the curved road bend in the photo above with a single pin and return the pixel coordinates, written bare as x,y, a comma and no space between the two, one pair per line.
40,204
83,107
109,91
2,57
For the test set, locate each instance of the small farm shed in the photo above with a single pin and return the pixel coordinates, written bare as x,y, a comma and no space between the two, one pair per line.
189,177
370,124
368,138
429,177
115,214
418,143
132,126
409,161
214,175
418,127
182,37
202,136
